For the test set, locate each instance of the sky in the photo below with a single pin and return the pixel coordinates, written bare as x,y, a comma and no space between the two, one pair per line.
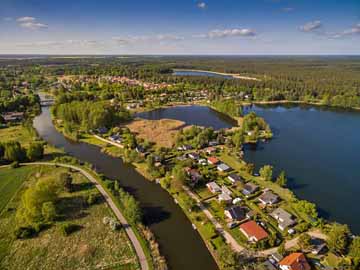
243,27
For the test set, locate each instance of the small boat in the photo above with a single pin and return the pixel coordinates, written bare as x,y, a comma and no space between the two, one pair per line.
157,181
194,226
175,200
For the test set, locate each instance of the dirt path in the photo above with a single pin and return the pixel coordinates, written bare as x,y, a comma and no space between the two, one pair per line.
129,231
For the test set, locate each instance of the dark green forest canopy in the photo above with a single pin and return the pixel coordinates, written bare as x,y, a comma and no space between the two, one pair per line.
331,80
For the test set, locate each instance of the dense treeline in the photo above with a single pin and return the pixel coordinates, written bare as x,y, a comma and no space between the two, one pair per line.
88,115
229,107
329,80
13,151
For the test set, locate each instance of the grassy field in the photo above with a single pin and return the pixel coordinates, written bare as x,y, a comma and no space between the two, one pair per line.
162,132
93,246
24,136
10,182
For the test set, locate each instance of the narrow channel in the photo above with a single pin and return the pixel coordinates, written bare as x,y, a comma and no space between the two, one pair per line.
179,242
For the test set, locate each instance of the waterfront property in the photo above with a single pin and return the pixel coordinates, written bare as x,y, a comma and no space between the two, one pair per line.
253,231
233,177
269,198
235,212
249,188
284,219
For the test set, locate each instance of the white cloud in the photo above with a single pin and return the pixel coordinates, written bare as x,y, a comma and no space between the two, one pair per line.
311,26
201,5
236,32
355,30
30,23
61,44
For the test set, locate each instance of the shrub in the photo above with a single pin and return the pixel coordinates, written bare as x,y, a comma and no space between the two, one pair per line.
48,211
15,165
67,228
91,199
114,225
24,232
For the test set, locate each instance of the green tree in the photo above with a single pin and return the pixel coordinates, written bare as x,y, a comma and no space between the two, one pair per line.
238,139
281,249
35,151
281,180
48,211
305,241
14,152
266,172
338,238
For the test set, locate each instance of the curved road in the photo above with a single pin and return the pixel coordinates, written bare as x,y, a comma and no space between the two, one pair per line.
129,231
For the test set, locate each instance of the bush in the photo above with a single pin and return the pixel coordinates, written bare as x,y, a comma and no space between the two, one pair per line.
15,165
24,232
67,228
91,199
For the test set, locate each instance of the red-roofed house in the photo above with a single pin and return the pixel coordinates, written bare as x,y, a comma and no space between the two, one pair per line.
253,231
295,261
213,160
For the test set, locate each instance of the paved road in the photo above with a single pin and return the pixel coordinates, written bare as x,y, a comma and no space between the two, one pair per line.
135,242
228,237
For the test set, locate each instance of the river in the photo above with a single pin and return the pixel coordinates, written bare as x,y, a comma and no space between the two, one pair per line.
179,242
319,148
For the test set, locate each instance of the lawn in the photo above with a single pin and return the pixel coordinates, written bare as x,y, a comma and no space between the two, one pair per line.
94,245
10,182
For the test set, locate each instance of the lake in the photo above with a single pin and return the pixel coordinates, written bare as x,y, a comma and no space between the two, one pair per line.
319,148
191,115
184,72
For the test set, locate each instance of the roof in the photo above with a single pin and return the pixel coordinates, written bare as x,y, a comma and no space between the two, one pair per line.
236,212
268,266
226,190
213,185
252,229
296,261
269,197
250,187
223,167
284,218
234,177
225,197
213,160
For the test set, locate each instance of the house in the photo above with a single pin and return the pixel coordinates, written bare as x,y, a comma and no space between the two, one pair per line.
249,189
213,187
202,161
213,143
115,138
276,257
268,198
140,149
233,177
319,246
295,261
283,218
102,130
210,150
253,231
194,156
223,167
226,190
184,147
235,212
223,197
13,116
213,160
194,174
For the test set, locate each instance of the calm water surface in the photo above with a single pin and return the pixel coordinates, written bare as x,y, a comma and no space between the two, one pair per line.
191,115
319,148
201,73
320,151
180,244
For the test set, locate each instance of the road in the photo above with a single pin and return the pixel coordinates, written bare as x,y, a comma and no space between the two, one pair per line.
293,242
129,231
219,228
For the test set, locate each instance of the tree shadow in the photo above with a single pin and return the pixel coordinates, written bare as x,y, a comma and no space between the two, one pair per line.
82,186
71,208
154,215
